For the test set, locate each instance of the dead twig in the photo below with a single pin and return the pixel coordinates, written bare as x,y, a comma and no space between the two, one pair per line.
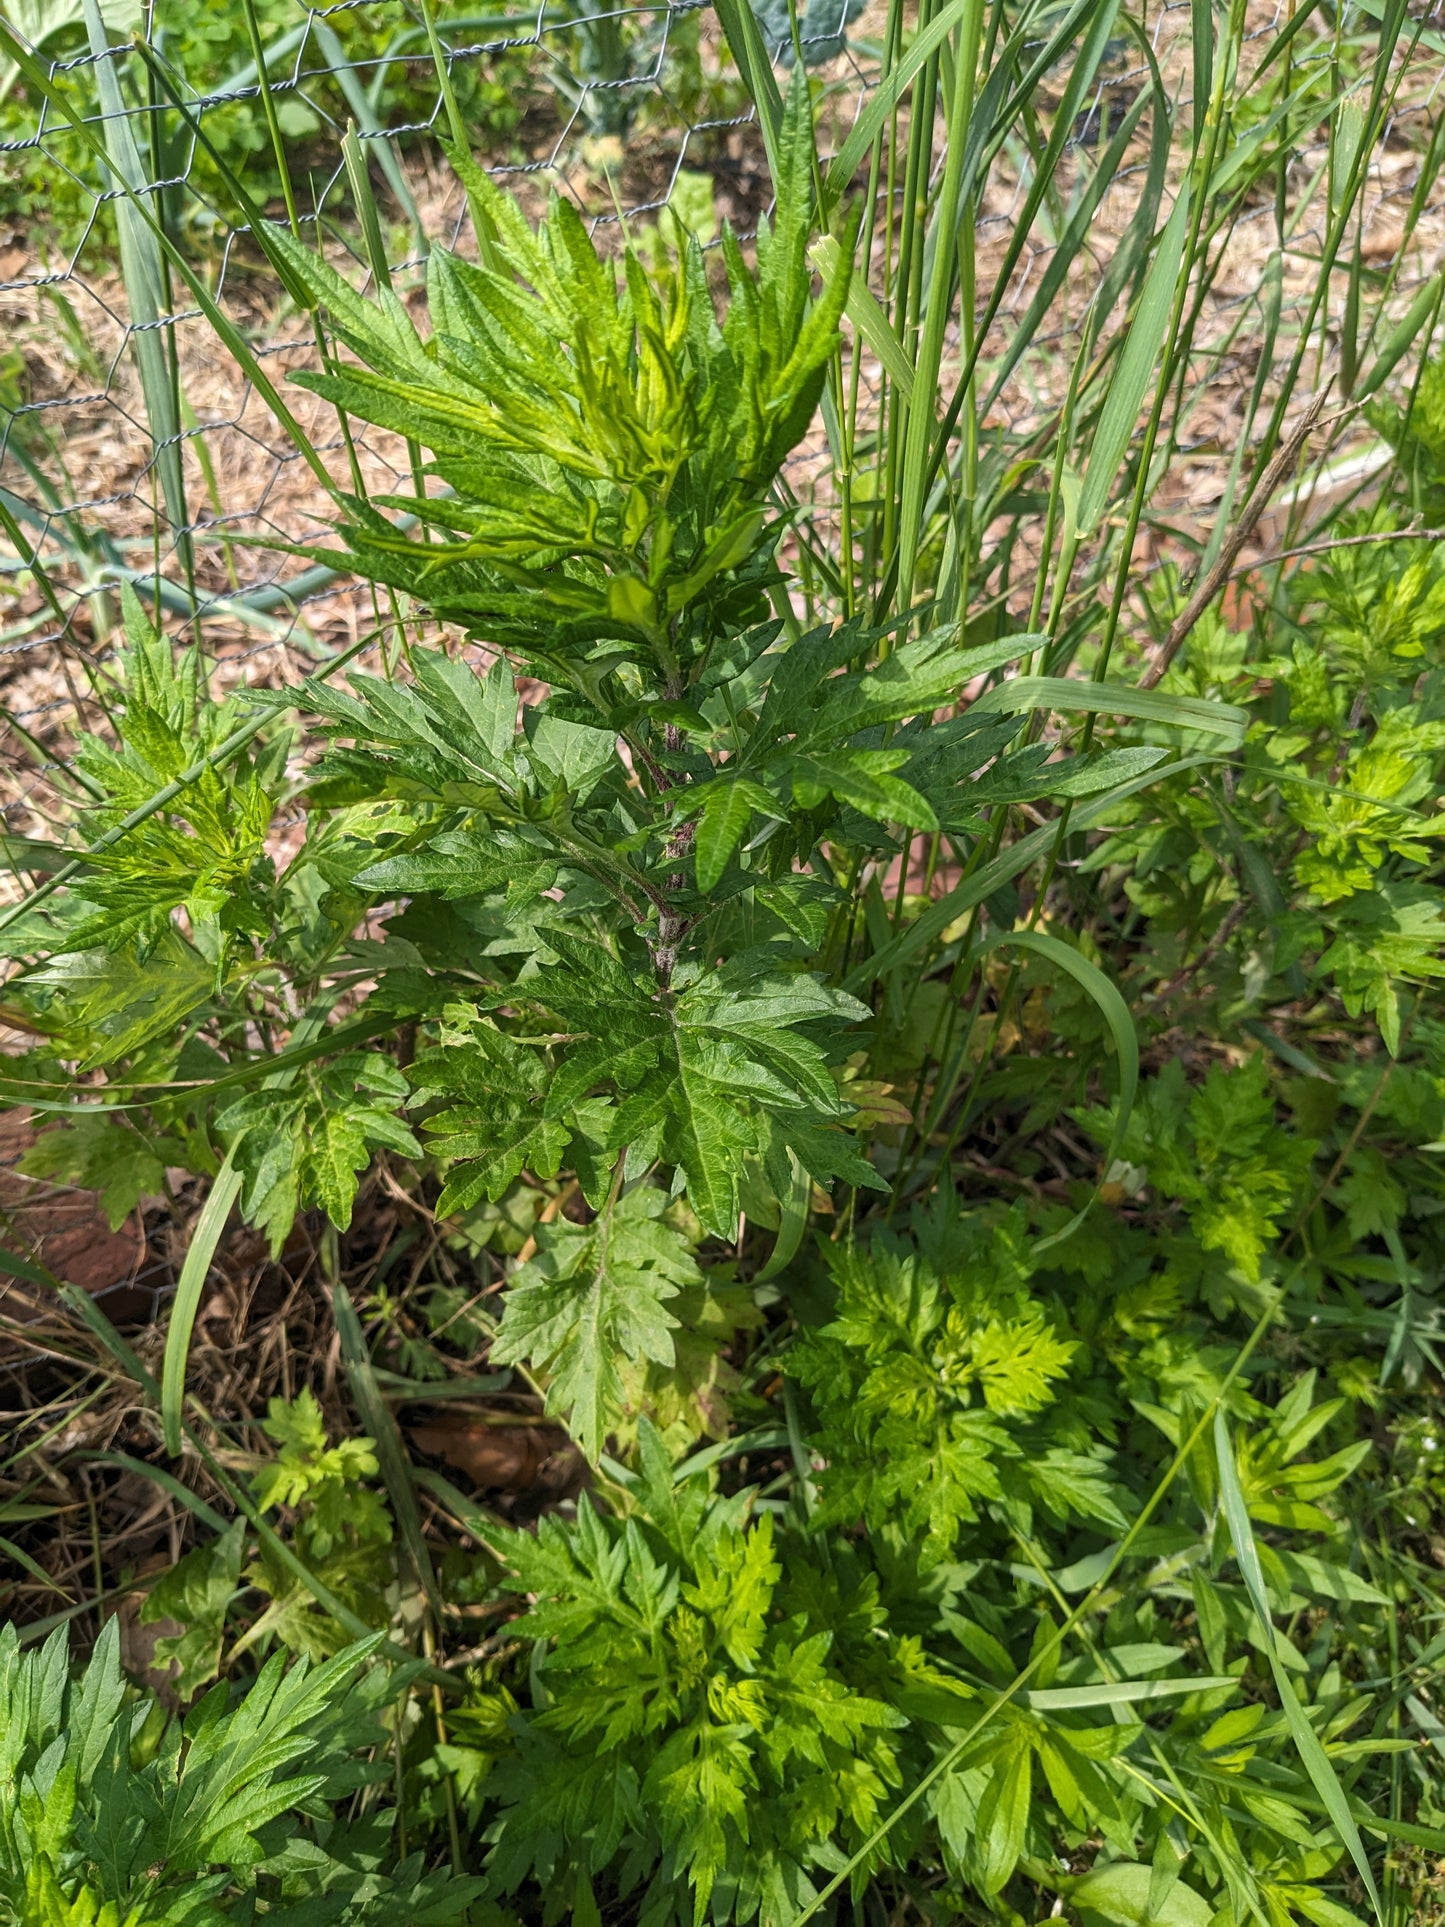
1275,471
1341,542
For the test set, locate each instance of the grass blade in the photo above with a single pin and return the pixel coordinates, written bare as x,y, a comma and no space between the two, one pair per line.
37,1572
168,1483
1137,363
793,1223
866,313
376,1417
143,272
1117,1692
1070,245
1112,1007
745,43
1401,337
870,122
1024,693
236,1493
204,1239
347,79
12,1265
1312,1754
36,76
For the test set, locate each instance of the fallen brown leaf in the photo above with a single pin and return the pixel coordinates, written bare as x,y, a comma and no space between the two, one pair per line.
63,1228
502,1458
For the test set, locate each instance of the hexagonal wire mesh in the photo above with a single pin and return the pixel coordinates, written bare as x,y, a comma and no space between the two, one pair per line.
132,447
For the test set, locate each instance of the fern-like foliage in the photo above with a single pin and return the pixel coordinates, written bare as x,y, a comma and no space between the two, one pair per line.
111,1815
1218,1151
206,852
694,1719
925,1382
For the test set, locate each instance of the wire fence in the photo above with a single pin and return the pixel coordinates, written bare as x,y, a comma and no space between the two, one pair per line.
133,448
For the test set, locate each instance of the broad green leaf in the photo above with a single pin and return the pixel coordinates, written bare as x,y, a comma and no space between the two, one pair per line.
197,1592
488,1159
725,815
461,864
101,1155
709,1139
1308,1573
574,752
594,1294
1119,1892
1003,1815
338,1152
870,789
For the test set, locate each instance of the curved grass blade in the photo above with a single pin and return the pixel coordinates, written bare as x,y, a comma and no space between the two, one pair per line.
204,1239
396,1469
143,272
23,1559
1402,337
12,1265
865,311
1112,1008
168,1483
1116,1015
237,1494
792,1225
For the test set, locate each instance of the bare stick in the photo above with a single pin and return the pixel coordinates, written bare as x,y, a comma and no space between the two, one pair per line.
1342,542
1275,471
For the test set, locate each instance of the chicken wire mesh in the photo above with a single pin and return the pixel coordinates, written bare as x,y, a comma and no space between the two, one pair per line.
133,447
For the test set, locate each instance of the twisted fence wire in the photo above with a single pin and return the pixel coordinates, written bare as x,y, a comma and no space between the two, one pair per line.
630,110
